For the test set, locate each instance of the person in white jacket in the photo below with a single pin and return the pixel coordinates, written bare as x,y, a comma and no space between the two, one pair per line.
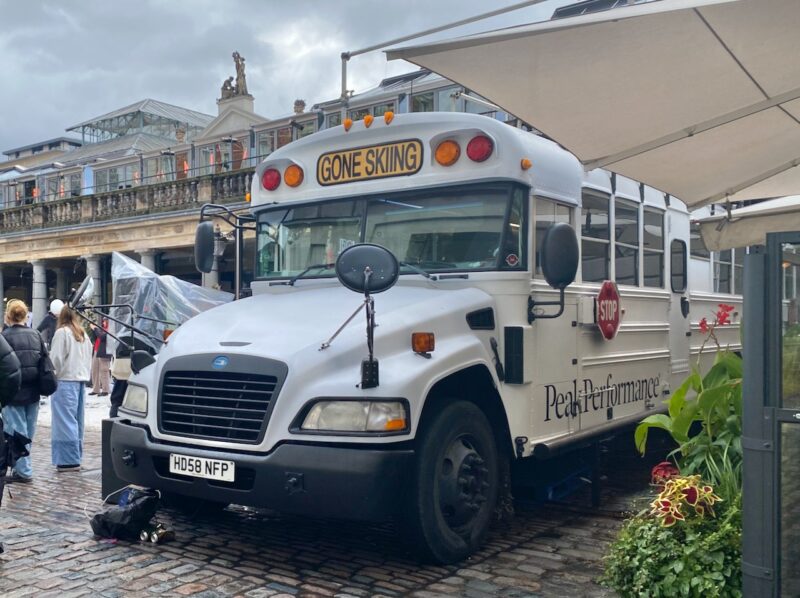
71,353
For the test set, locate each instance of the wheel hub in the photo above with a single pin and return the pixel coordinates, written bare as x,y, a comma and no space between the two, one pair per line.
463,482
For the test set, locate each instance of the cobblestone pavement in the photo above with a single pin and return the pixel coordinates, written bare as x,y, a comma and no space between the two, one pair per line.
548,550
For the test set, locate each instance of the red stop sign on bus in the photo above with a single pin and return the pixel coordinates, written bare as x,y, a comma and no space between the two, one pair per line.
608,310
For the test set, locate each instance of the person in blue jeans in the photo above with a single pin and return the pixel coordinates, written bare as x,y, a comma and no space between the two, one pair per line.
20,414
71,352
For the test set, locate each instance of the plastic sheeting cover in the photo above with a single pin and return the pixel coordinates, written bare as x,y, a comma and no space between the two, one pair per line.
158,296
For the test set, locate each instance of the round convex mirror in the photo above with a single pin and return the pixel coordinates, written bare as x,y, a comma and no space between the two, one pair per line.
83,294
352,263
204,246
559,255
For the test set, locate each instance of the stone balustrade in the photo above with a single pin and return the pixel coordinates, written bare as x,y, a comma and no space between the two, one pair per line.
158,198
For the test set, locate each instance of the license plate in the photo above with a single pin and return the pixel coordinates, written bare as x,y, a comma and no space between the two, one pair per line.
200,467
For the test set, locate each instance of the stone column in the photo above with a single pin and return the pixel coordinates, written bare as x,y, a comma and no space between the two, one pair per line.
62,283
93,270
39,292
148,258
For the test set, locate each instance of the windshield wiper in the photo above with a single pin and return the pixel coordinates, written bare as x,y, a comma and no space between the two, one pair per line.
297,277
418,270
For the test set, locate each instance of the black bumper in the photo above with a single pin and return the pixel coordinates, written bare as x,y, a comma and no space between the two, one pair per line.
307,479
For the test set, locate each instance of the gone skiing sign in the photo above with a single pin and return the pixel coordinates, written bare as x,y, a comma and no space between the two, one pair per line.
608,310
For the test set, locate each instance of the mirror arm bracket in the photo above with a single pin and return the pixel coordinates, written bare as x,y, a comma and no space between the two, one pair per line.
533,304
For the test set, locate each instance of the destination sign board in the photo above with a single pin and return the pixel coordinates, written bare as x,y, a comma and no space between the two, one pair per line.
398,158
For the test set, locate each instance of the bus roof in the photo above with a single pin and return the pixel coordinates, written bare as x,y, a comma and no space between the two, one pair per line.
399,155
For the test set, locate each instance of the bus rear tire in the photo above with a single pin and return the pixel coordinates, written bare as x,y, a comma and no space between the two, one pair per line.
455,485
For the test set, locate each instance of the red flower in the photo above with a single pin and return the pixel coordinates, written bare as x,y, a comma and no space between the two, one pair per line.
704,328
723,318
725,307
663,472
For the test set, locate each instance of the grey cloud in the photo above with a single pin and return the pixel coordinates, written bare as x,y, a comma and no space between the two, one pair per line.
64,62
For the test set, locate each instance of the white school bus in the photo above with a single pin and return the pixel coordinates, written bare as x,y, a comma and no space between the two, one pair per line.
475,361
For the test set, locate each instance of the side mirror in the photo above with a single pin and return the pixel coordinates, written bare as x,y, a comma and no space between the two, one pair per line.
559,255
83,294
140,360
367,268
204,246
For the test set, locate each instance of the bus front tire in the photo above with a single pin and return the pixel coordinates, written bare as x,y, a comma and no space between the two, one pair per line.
455,485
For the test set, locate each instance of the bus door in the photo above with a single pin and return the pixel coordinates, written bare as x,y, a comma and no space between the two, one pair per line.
556,383
679,308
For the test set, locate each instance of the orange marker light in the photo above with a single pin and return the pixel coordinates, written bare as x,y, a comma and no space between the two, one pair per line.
348,122
388,116
525,164
293,175
247,196
423,342
368,120
395,424
447,152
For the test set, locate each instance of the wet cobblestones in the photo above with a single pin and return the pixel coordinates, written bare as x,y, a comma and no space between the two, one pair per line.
551,550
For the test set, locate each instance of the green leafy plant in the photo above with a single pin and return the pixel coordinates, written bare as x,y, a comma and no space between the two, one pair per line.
714,448
698,556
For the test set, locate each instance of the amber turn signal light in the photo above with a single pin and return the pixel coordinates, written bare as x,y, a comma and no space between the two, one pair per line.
525,164
293,175
423,342
447,152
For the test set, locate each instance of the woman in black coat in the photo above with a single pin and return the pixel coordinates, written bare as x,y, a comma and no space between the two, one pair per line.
20,414
10,374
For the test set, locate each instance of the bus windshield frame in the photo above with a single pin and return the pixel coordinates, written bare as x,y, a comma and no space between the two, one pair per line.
465,228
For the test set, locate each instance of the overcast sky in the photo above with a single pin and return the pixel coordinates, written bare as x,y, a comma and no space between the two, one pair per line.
64,62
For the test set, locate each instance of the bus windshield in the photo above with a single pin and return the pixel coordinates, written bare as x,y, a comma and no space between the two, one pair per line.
480,227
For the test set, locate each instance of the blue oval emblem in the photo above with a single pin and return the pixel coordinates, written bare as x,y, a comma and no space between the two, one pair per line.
220,362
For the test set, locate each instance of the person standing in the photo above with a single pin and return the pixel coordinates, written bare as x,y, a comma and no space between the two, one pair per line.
20,414
10,374
101,362
47,327
71,352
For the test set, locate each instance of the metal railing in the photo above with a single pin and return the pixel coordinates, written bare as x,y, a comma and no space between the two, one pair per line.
176,195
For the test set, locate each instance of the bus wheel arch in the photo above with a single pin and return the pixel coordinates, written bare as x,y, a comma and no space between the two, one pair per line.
476,385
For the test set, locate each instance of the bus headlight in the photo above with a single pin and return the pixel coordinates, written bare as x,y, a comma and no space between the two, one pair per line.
357,417
135,399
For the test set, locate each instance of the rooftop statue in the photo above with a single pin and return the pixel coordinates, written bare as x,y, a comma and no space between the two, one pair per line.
241,81
227,89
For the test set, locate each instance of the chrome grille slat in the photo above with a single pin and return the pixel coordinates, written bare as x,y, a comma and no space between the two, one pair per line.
226,406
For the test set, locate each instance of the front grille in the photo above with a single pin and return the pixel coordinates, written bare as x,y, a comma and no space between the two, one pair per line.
215,405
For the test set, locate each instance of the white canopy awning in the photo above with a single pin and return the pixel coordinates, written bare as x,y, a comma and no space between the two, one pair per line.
698,98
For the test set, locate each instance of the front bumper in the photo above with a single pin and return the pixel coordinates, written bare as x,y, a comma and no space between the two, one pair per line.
307,479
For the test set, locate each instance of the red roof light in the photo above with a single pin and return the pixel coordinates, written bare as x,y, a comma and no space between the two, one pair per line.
271,179
480,148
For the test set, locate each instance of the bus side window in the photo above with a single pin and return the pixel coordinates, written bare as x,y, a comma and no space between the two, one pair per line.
547,213
595,236
678,266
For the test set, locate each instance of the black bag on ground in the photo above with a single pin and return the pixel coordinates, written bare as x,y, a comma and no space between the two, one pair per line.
127,520
47,376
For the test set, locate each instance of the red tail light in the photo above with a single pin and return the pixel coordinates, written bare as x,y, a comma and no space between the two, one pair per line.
480,148
271,179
